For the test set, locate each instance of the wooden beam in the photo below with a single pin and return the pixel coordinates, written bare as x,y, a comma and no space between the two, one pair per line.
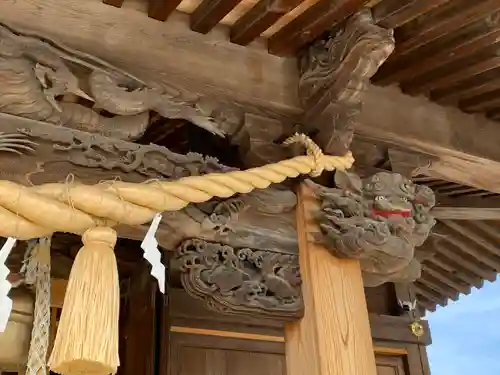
466,208
269,85
208,14
466,213
463,154
334,335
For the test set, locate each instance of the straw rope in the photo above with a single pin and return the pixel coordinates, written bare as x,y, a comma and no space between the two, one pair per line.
33,212
38,274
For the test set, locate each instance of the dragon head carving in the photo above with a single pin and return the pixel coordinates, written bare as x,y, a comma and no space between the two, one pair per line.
378,220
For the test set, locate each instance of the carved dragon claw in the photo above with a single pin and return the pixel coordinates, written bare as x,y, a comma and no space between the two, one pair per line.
16,143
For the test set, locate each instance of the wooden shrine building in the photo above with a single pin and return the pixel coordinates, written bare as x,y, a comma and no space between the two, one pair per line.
113,112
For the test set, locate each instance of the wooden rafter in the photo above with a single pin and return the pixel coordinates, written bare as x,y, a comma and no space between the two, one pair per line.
434,28
489,63
394,13
262,16
209,13
473,38
162,9
312,23
115,3
458,286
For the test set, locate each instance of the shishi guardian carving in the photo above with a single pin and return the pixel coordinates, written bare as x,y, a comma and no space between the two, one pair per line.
379,220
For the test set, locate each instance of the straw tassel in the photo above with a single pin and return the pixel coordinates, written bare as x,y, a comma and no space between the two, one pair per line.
87,335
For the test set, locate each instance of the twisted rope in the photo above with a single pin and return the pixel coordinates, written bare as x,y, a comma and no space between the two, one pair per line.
38,273
33,212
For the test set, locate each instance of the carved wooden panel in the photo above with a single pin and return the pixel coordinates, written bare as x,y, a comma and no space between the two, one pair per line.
241,280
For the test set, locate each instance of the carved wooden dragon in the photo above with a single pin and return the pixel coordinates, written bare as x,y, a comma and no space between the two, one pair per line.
34,71
379,221
16,143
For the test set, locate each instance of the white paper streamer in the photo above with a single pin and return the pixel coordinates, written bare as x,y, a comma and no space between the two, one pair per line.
152,254
5,301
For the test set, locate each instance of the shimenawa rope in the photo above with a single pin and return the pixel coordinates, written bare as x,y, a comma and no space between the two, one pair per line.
38,211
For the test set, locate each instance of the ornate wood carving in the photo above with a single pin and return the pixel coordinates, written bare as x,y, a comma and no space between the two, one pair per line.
35,71
241,281
334,74
261,220
378,220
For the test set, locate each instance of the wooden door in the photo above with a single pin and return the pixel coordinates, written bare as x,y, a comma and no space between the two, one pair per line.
390,365
210,355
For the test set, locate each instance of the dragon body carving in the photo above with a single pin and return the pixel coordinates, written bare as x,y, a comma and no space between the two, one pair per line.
25,92
35,72
241,281
379,220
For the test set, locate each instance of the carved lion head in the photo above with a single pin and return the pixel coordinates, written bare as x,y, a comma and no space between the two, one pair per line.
393,198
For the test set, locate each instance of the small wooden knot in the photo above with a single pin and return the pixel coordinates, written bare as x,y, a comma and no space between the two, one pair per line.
100,234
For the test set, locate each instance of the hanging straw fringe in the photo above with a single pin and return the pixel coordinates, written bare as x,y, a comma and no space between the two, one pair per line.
37,272
87,335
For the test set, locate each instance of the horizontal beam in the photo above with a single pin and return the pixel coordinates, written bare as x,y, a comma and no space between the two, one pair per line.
467,208
466,213
173,55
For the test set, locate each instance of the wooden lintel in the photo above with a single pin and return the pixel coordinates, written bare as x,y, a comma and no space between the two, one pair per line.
465,145
334,335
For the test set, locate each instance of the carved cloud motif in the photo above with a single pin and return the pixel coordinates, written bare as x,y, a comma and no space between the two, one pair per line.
241,281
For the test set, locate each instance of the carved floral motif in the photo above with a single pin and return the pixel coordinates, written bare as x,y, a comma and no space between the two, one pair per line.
379,220
241,281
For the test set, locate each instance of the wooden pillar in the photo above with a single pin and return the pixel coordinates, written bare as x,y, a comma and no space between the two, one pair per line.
333,338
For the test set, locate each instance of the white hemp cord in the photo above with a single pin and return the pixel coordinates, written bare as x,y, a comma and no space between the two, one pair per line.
37,270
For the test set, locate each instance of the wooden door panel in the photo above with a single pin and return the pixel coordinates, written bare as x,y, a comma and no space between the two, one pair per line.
390,365
247,363
211,355
200,361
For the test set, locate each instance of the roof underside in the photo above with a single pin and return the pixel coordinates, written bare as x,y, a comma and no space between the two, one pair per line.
463,253
445,49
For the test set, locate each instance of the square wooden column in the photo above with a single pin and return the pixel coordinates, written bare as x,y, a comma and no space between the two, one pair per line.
333,337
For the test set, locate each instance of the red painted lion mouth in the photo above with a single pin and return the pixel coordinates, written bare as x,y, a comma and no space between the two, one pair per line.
401,213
